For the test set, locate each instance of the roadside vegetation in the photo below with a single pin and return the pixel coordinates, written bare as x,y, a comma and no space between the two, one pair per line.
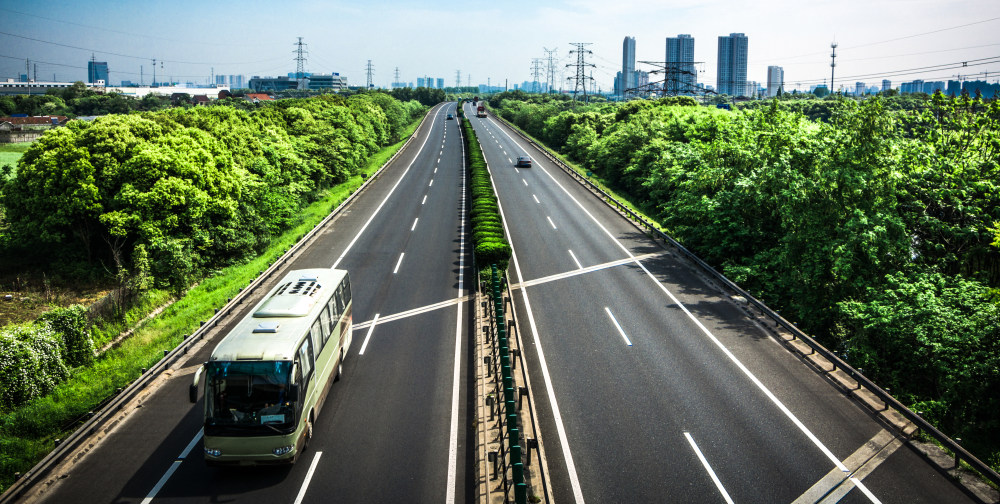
150,205
489,240
874,224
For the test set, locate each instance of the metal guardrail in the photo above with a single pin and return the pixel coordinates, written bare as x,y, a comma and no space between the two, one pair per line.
120,399
888,400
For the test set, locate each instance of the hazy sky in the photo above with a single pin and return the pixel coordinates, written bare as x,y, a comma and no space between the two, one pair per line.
495,40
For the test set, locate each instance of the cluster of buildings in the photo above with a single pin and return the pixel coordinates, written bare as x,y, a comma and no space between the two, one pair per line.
681,74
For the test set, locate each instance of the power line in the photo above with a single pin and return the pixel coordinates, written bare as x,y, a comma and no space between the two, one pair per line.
917,70
581,65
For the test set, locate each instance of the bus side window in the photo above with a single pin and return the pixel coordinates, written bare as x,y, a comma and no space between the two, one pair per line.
324,318
347,289
340,299
317,336
334,313
306,360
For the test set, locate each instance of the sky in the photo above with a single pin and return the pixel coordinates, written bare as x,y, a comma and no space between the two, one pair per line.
496,41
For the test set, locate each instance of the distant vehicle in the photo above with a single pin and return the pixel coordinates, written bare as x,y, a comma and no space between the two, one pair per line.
481,111
267,379
450,117
523,162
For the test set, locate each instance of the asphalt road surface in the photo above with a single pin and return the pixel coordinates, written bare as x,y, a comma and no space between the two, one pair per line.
395,428
653,387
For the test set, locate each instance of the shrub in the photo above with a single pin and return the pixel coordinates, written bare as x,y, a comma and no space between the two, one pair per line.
31,363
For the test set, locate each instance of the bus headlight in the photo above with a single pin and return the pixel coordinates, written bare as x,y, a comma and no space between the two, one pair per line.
213,452
282,450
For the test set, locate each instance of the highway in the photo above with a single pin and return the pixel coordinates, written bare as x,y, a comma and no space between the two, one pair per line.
652,386
395,428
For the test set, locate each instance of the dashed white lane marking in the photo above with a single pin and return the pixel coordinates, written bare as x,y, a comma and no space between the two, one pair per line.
425,200
618,326
414,226
708,467
309,477
536,199
553,224
368,336
525,182
173,467
578,265
400,261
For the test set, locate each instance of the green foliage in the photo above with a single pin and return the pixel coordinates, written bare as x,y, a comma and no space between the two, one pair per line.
873,223
490,244
31,363
197,188
71,324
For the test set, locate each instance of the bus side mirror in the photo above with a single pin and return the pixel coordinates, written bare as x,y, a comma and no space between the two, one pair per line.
193,389
293,393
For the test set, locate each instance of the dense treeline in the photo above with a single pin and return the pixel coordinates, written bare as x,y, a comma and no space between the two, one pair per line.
875,227
161,199
78,100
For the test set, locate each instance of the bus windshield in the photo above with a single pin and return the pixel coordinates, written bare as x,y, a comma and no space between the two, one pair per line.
249,396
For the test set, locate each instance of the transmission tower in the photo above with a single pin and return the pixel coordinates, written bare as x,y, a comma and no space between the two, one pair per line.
833,63
395,81
551,69
458,78
536,74
300,60
581,65
369,70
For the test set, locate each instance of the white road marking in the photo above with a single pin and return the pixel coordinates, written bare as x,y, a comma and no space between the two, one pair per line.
704,462
509,160
412,312
553,224
574,479
536,199
425,200
173,467
435,169
588,269
525,182
309,477
432,183
414,226
368,336
578,265
439,160
387,196
400,261
833,487
760,385
618,326
456,383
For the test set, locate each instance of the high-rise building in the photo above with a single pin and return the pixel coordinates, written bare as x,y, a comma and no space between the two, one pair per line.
628,66
886,85
859,88
775,80
220,80
440,83
97,71
732,75
681,77
421,82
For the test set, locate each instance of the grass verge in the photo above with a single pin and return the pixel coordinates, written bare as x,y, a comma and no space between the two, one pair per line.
28,433
10,153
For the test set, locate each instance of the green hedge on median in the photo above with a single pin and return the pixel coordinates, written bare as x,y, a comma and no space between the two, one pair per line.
490,241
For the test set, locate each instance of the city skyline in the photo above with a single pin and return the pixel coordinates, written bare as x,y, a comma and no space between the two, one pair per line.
477,40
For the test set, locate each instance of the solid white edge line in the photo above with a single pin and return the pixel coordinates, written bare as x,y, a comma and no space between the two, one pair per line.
368,335
173,467
574,479
400,261
708,467
414,226
618,326
760,385
309,477
456,385
387,196
577,261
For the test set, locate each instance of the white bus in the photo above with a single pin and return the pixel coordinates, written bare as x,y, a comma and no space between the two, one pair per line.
267,379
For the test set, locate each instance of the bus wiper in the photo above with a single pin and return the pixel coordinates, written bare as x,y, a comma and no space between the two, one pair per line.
275,429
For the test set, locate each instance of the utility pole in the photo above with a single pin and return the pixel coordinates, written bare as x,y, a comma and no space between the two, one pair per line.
833,63
550,54
536,73
369,70
581,65
300,61
154,73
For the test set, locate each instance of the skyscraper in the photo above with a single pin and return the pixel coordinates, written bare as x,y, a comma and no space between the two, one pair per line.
732,76
97,71
886,84
775,80
681,77
628,65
